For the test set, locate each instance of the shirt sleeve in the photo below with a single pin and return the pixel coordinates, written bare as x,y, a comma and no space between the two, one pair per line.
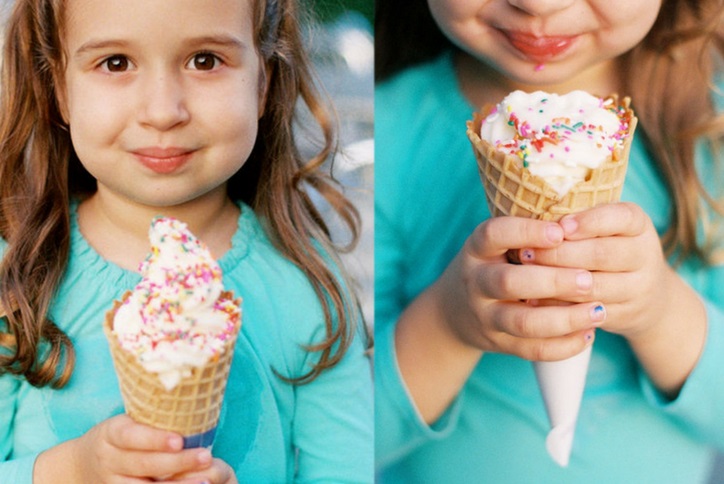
333,426
699,407
400,428
19,471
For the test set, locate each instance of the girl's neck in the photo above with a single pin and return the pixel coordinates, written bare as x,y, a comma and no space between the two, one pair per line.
482,84
118,228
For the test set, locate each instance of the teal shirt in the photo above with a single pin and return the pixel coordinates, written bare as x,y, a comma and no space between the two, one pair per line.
269,431
428,200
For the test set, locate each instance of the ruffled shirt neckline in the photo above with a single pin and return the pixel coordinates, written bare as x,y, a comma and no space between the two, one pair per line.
103,270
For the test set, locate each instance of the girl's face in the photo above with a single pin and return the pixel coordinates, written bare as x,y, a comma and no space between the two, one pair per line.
162,97
546,42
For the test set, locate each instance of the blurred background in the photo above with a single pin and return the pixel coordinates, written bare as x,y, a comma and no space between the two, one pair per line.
341,47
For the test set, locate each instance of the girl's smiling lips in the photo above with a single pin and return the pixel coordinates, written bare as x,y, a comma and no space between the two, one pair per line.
163,160
538,49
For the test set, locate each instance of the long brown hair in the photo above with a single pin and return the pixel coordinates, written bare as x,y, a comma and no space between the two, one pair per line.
669,76
40,173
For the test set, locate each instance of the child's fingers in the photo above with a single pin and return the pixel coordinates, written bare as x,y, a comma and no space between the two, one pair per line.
516,282
606,220
218,473
547,349
122,432
495,236
610,254
525,321
160,464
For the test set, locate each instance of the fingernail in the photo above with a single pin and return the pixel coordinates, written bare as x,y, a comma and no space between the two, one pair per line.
588,335
598,314
569,225
554,233
175,443
584,280
204,456
526,255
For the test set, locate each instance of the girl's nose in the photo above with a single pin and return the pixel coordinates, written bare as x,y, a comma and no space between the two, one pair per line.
163,102
540,8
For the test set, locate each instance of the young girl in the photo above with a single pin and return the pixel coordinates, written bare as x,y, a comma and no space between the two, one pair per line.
456,400
113,113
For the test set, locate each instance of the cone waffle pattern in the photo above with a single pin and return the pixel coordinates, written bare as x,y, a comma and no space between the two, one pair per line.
191,407
510,189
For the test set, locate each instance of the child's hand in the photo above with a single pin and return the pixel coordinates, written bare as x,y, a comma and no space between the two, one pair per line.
486,301
219,473
119,450
619,245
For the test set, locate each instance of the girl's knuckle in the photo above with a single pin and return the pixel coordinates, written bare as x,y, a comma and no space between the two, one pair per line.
522,323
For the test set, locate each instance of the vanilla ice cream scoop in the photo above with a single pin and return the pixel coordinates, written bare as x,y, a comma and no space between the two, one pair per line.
176,319
559,138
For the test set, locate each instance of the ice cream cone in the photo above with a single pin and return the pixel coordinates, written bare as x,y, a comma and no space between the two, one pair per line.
191,408
511,189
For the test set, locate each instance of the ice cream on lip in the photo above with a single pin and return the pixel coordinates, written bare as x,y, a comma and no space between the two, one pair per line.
539,48
176,318
559,138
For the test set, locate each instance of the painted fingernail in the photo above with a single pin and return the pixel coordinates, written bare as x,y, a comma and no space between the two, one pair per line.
584,280
598,314
569,225
588,335
554,233
527,255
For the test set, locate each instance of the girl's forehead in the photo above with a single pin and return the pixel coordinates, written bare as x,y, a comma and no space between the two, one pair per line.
154,19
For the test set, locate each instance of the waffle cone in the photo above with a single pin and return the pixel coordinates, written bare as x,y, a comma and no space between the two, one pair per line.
191,408
511,189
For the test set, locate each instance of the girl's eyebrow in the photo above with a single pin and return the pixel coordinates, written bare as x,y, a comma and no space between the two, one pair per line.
99,44
221,40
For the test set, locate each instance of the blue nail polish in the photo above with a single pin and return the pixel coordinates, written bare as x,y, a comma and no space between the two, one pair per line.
598,313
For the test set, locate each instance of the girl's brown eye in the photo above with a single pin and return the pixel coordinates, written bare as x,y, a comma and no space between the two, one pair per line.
117,63
203,62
